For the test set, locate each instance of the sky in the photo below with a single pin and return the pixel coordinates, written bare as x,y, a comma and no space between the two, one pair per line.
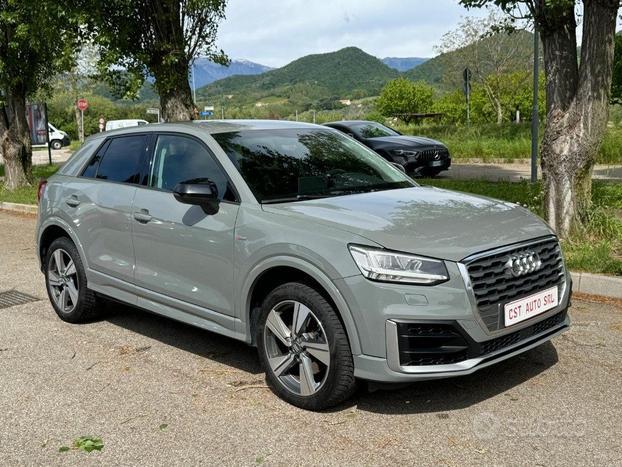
275,32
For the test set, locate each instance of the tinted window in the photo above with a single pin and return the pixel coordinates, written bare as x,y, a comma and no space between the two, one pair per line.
289,165
120,161
373,130
179,159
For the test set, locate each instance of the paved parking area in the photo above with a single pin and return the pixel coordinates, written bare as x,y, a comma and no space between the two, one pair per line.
516,171
162,393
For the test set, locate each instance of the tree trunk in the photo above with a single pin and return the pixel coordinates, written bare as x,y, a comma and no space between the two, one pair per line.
15,143
577,106
177,104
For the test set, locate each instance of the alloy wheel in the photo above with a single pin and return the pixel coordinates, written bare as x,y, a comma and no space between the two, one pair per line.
297,348
63,280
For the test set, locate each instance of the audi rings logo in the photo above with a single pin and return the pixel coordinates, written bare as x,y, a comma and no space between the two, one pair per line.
523,263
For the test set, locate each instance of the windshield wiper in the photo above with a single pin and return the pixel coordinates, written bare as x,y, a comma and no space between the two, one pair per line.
294,198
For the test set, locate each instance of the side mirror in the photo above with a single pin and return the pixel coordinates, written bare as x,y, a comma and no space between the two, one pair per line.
199,191
398,166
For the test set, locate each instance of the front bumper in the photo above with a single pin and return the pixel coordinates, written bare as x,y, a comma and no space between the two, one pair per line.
389,370
402,351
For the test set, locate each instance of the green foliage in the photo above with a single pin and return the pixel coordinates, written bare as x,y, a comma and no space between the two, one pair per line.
402,96
61,112
445,70
88,444
37,39
158,38
27,194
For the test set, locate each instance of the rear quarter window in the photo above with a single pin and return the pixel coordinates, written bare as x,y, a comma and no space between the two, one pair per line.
120,161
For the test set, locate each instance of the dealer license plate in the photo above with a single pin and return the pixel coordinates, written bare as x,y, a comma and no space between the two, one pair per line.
528,307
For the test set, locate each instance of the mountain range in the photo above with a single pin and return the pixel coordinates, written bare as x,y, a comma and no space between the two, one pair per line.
403,63
206,71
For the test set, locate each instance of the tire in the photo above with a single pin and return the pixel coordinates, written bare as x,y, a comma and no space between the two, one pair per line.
320,346
56,144
431,172
78,304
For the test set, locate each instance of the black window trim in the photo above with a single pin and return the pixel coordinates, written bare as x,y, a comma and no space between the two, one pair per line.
151,155
101,149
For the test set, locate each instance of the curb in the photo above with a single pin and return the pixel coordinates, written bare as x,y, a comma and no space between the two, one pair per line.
596,284
20,208
582,282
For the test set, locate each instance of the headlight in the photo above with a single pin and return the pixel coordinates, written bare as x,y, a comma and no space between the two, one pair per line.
404,153
390,266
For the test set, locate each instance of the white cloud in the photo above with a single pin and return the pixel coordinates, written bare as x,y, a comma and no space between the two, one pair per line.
275,32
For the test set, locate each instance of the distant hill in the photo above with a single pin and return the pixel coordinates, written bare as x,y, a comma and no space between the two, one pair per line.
206,72
445,69
346,73
403,63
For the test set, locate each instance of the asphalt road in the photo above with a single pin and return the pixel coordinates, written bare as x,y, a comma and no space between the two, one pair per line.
515,172
161,393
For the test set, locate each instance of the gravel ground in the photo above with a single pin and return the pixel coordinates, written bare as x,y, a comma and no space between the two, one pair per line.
162,393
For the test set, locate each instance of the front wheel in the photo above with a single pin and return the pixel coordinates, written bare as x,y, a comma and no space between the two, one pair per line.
56,144
304,349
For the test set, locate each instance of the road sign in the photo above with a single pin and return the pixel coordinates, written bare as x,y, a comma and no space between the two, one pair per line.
207,113
82,104
153,110
208,108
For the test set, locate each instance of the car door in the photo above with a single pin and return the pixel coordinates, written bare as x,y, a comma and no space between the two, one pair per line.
184,255
99,203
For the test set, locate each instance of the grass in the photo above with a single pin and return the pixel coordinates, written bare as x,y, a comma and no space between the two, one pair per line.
509,141
595,247
27,195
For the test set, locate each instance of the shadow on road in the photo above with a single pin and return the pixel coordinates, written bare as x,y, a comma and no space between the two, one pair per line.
185,337
440,396
446,395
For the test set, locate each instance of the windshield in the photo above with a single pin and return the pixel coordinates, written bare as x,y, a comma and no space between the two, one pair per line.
372,130
297,164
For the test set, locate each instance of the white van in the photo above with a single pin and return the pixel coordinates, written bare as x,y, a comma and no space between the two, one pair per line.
58,138
116,124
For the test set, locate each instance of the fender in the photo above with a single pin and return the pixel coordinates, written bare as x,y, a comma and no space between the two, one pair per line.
58,222
313,271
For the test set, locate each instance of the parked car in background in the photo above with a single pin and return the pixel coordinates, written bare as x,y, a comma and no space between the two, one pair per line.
117,124
58,138
417,154
304,243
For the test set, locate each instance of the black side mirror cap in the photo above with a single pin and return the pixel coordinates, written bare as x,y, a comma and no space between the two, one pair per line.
198,191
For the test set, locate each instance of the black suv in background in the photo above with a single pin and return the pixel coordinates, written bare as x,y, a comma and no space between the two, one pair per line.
418,155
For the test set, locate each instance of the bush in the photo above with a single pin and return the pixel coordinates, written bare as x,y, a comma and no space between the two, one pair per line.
401,96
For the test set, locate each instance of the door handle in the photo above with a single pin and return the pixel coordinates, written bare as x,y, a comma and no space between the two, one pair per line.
142,216
72,201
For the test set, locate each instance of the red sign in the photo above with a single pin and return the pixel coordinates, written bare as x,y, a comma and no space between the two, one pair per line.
83,104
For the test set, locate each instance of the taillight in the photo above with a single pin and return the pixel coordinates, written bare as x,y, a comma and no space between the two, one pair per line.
42,184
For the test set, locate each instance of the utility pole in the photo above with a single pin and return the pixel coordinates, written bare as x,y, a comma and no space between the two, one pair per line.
194,88
466,76
534,112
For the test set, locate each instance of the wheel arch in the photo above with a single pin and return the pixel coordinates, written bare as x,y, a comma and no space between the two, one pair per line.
276,271
50,231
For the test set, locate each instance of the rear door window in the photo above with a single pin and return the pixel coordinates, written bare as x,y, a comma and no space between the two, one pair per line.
120,161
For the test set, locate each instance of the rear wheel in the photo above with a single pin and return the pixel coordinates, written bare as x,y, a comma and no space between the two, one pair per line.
65,281
303,348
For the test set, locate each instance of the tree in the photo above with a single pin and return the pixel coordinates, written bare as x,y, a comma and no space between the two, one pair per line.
616,84
490,50
577,98
401,97
37,38
159,39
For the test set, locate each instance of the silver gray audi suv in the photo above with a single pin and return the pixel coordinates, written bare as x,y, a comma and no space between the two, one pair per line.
299,240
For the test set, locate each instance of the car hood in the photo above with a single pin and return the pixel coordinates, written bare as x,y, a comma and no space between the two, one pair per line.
421,220
406,141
